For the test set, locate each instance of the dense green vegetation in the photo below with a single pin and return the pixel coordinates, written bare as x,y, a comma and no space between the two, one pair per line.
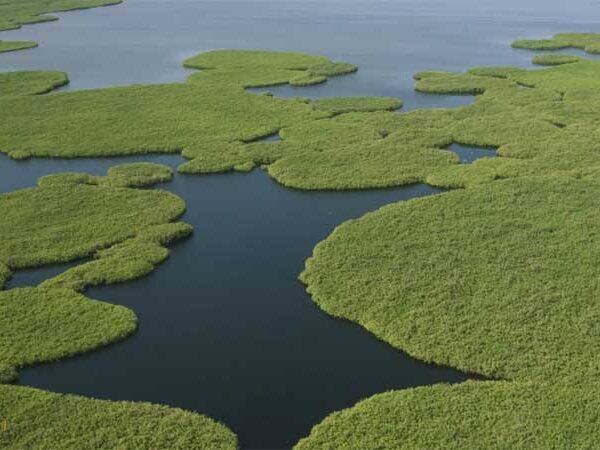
590,42
343,105
213,121
255,68
49,324
492,280
472,415
48,421
78,219
131,259
533,117
73,216
125,232
498,279
541,121
30,83
11,46
555,60
123,175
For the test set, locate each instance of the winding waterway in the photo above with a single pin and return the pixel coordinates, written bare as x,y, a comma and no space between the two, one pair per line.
225,327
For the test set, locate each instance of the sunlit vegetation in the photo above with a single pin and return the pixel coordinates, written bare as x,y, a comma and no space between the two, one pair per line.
361,150
11,46
472,415
130,259
541,121
590,42
456,84
492,280
30,83
533,117
555,60
342,105
214,122
64,221
498,279
48,421
123,175
49,324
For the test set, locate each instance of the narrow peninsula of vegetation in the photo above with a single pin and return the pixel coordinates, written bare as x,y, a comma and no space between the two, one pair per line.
472,415
30,83
514,290
555,60
11,46
69,217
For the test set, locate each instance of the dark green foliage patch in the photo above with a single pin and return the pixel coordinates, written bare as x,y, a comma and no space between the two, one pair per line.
30,83
73,216
48,421
11,46
590,42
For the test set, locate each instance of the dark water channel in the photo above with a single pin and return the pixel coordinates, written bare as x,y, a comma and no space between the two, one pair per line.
33,277
225,327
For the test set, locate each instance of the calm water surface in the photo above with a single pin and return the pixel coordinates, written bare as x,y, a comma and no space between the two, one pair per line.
225,327
145,41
